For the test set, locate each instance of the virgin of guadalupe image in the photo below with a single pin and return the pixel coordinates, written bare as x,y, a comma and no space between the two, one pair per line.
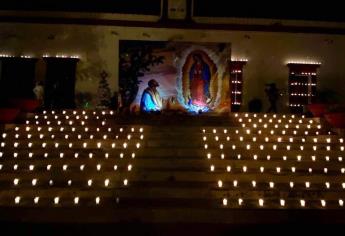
199,81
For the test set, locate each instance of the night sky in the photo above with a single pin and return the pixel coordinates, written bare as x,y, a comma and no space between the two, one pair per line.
330,10
278,9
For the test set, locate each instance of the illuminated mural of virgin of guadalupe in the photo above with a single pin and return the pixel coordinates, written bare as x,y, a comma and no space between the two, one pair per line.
199,81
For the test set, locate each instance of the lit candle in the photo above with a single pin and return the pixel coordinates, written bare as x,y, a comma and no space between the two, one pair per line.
282,202
261,202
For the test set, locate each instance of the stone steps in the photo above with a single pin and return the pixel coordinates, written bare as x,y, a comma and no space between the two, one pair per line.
171,168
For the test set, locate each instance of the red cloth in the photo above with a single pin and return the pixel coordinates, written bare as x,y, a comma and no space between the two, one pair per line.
197,86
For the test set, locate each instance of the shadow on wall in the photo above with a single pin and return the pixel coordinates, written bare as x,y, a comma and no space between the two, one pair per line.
255,105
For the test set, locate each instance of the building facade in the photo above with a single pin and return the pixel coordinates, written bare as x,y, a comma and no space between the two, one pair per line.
268,45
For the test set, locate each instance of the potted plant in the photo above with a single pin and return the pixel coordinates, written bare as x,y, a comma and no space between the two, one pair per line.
323,100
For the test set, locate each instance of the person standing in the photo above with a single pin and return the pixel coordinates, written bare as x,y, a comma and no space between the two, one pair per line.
39,92
273,95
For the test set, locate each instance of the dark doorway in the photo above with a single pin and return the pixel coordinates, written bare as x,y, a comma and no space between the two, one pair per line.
60,83
17,78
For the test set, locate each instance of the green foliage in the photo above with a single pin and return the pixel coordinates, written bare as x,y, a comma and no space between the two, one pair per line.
104,92
83,99
134,62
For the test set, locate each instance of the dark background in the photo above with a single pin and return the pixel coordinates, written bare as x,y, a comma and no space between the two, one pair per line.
278,9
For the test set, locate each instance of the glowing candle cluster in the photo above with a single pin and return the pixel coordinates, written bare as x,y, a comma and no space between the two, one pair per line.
69,149
284,153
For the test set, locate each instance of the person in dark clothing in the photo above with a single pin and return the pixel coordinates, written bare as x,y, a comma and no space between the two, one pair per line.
273,95
114,101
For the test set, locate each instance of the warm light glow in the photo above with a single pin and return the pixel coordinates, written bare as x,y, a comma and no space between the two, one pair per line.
261,202
106,182
323,203
235,183
76,200
212,167
327,185
220,183
17,200
302,202
56,200
36,199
